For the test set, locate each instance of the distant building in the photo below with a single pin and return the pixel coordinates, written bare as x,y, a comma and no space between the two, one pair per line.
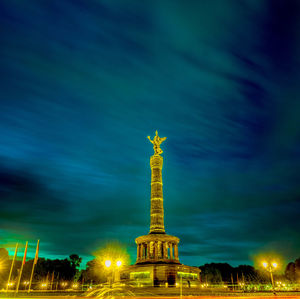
157,262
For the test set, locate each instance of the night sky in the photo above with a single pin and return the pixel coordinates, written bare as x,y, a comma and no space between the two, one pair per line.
83,83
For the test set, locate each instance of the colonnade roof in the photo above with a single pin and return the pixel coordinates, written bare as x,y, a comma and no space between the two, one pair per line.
157,237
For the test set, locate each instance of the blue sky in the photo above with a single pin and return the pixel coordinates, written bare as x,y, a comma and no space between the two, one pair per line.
84,82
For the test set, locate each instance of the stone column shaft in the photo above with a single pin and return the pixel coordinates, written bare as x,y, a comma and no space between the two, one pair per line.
148,250
155,251
171,251
157,208
176,251
159,247
165,250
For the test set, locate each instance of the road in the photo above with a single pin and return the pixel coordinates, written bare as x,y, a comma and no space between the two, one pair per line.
279,296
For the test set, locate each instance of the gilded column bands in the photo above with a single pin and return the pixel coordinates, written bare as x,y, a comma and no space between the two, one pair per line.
157,207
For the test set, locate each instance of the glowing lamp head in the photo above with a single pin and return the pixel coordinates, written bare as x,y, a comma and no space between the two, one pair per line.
107,263
119,263
275,265
265,264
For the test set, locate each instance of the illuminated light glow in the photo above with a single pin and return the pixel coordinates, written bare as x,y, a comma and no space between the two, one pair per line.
274,264
265,264
135,275
187,275
119,263
107,263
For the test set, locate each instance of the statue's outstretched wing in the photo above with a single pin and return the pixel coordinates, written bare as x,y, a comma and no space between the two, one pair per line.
163,139
150,139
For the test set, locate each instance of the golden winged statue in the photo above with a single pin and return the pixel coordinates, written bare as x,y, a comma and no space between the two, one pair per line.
156,143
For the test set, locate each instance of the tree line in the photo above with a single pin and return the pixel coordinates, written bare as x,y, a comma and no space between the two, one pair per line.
216,273
55,270
46,269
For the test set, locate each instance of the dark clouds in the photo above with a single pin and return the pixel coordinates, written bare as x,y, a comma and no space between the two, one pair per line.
83,84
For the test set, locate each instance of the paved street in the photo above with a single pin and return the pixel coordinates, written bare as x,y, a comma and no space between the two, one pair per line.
171,297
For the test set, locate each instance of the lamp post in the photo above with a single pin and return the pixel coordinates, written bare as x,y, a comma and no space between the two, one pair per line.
26,283
181,286
113,266
270,267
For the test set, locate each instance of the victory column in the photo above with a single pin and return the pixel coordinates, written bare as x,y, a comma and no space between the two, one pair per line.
157,262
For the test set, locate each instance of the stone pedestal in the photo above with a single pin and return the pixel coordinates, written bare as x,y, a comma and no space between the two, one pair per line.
161,275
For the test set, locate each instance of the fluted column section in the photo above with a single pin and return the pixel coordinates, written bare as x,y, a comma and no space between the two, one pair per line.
176,252
165,250
141,251
160,255
155,251
157,208
171,251
148,250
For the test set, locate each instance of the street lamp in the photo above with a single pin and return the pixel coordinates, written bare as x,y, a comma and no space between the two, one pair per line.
26,283
113,266
64,284
270,267
10,284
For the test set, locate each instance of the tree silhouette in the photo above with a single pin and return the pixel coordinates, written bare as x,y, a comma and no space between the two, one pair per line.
75,260
94,272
